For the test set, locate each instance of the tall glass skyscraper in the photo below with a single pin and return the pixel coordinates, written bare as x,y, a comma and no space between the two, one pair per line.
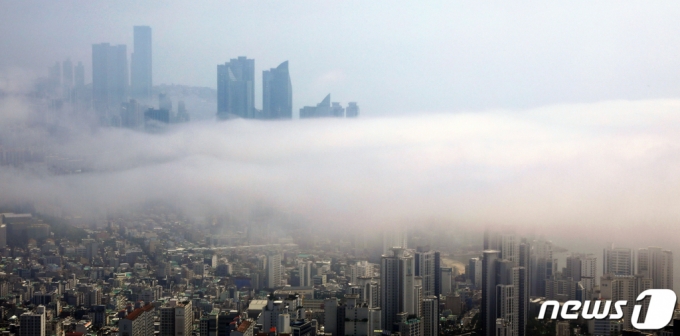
277,93
141,77
109,76
236,88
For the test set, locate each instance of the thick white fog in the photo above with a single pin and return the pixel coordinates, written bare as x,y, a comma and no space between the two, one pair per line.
586,170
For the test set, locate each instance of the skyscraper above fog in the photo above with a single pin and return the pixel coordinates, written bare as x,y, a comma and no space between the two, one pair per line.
323,109
236,88
326,108
109,76
277,93
141,78
352,110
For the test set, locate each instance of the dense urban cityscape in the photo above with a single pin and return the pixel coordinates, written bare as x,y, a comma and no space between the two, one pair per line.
153,273
155,269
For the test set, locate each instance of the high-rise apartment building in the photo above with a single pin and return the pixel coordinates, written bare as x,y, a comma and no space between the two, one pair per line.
618,261
236,88
369,291
656,264
582,268
350,318
359,270
208,325
521,303
32,323
437,273
109,76
541,260
277,93
3,235
510,247
132,115
426,267
409,325
395,237
488,305
322,109
141,76
492,241
138,323
470,269
397,287
326,108
430,320
352,110
446,273
176,319
573,267
273,270
305,271
628,288
504,295
589,274
337,110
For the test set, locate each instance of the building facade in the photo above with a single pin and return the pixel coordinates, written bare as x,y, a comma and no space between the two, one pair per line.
277,93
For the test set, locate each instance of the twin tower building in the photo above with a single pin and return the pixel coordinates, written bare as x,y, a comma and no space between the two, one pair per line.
236,91
236,94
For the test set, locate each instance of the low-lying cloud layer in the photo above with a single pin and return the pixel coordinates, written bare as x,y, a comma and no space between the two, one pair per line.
609,168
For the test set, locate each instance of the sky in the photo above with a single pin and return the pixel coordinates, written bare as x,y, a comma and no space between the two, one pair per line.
392,57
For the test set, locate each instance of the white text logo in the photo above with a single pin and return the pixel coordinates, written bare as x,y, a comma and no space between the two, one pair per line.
659,313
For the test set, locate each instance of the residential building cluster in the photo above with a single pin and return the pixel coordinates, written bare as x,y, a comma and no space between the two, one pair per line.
152,273
519,274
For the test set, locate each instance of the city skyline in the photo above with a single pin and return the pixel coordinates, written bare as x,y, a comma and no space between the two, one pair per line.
479,64
113,83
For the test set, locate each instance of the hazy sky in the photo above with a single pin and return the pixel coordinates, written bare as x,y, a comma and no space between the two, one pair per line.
390,56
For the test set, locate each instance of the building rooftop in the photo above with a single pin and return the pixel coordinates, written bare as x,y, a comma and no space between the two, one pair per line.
135,314
257,304
244,326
